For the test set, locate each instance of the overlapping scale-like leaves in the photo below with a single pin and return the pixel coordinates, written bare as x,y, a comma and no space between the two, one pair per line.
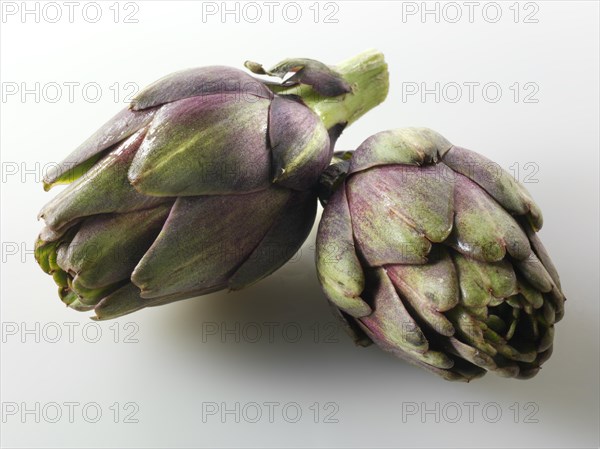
207,181
430,251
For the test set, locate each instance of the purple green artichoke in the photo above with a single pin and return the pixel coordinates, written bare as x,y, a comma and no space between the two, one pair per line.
207,181
430,251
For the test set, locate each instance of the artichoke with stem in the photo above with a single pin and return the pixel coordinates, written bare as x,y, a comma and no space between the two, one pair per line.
431,251
207,181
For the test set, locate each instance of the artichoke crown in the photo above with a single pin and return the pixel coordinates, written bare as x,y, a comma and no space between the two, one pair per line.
206,181
430,251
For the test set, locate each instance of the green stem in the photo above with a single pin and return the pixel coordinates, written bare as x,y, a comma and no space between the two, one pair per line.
367,74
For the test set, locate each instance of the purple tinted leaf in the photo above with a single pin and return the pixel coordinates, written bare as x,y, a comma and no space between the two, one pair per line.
338,266
299,143
200,81
281,242
121,126
482,228
205,239
104,189
497,182
397,211
205,145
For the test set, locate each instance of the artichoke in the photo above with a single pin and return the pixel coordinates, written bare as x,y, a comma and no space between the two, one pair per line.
206,181
430,251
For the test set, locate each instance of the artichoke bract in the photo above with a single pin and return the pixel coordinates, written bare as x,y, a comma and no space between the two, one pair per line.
206,181
430,251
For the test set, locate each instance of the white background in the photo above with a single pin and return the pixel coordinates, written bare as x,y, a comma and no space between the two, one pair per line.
169,373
